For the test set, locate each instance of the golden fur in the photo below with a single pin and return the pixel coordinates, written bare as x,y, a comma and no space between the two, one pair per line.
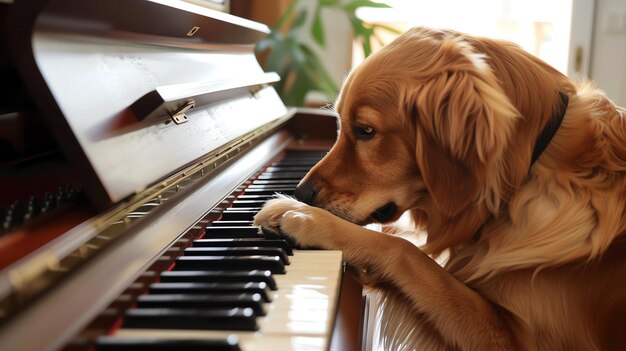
537,254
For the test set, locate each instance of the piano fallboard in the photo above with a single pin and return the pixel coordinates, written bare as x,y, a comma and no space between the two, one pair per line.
111,83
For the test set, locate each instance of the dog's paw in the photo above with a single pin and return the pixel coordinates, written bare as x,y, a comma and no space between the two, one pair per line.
302,224
272,212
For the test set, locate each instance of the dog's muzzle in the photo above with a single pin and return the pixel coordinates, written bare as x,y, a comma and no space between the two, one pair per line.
385,213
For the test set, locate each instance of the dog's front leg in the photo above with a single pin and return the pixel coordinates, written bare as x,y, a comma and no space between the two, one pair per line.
459,313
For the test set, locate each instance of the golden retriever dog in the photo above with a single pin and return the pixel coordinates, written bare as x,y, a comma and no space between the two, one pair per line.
514,172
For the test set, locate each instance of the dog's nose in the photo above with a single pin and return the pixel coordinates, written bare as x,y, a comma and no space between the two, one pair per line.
305,192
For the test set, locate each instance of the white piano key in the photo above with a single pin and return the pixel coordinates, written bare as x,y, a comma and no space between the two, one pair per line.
248,341
291,327
300,317
282,306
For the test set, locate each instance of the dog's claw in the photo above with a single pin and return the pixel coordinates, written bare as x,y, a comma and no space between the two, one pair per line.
276,233
269,232
290,241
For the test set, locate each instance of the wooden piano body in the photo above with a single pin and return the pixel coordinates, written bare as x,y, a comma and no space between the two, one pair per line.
162,109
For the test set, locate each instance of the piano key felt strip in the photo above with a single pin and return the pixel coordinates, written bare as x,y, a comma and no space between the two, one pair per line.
223,280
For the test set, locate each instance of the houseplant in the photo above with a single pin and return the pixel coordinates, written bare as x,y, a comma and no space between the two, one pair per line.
292,57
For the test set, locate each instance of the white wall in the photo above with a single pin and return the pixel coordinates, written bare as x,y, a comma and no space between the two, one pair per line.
608,58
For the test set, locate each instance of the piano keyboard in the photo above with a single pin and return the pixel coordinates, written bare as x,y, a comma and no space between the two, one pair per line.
235,289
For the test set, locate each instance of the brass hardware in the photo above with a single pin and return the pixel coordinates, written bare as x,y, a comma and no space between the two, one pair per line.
179,116
254,91
26,276
192,31
83,251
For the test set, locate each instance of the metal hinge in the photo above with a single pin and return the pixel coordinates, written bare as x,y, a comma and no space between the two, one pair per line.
179,116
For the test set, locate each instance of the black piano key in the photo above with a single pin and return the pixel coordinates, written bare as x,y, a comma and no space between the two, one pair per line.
244,242
210,276
270,263
114,343
220,276
256,209
301,154
269,191
304,168
238,215
277,188
198,319
233,232
241,209
293,163
290,182
203,301
248,203
281,175
271,186
232,223
308,161
212,288
305,153
238,251
256,197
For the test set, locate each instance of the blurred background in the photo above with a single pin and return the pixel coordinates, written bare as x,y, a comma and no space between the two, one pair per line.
314,43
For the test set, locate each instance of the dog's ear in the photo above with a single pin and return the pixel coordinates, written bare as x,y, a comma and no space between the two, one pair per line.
463,122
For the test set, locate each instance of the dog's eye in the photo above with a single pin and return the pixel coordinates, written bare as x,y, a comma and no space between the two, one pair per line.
363,132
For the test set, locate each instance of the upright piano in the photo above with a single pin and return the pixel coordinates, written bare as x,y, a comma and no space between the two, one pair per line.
138,139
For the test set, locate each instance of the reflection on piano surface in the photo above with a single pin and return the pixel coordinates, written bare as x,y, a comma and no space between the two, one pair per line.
127,224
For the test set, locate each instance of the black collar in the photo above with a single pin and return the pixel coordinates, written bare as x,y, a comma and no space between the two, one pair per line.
550,129
543,140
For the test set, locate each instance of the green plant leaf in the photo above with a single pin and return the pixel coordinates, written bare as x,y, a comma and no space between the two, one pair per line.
299,56
353,5
387,28
267,42
317,30
280,56
300,67
263,45
316,71
363,33
329,3
367,47
295,95
299,21
359,27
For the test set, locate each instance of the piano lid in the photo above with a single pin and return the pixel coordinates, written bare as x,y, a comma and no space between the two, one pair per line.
136,89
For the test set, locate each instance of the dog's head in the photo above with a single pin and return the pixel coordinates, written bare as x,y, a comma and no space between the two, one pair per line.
424,125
